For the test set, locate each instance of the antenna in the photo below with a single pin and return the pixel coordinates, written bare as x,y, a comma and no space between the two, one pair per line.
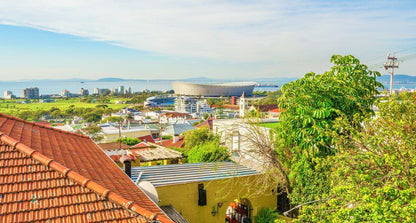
391,64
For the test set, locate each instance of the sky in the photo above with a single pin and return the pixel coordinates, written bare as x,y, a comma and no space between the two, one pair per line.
49,39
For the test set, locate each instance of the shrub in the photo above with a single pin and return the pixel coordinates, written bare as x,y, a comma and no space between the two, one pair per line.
266,215
208,152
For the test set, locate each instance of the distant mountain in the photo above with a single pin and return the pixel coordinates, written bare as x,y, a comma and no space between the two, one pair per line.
114,79
398,79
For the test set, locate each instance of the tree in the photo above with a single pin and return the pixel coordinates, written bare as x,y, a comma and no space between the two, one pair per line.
129,141
198,137
94,132
374,169
208,152
305,136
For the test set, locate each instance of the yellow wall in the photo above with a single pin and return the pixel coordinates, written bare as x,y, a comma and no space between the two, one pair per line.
184,198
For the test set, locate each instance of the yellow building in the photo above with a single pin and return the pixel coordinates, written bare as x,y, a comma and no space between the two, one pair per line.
208,192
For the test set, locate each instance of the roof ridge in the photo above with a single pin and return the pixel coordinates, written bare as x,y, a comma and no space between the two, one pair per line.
41,126
78,178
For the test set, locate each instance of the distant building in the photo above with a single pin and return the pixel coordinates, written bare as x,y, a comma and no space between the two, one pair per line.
84,92
243,105
8,95
121,89
128,90
30,93
114,90
100,91
65,93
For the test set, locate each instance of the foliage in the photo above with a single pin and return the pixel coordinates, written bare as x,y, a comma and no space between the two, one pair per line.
374,170
128,141
310,107
167,137
266,215
208,152
198,137
271,98
93,131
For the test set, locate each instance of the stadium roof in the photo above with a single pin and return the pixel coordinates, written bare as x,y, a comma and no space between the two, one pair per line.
190,172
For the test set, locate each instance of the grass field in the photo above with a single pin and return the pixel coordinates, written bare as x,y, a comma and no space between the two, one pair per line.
12,108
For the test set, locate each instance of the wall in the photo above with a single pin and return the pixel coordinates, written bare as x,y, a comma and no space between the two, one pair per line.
184,198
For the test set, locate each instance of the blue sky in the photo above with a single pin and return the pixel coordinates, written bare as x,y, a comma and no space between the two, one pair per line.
184,39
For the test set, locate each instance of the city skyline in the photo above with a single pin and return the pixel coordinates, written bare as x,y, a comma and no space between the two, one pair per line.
213,39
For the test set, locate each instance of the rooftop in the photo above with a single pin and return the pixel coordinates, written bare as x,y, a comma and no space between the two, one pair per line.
49,174
190,172
113,146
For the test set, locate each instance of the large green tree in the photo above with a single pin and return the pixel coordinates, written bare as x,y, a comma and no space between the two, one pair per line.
310,106
374,177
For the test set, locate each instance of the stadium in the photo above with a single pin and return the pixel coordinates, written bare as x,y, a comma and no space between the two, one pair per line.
213,90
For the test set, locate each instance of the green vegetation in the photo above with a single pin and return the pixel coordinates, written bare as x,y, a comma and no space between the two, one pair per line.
317,111
128,141
266,215
198,137
208,152
271,125
374,170
271,98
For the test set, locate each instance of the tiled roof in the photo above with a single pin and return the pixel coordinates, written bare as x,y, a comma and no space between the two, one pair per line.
50,174
169,143
276,110
206,124
141,145
158,153
175,115
265,108
113,146
147,138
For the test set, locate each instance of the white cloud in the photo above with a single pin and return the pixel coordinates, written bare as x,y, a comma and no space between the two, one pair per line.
288,36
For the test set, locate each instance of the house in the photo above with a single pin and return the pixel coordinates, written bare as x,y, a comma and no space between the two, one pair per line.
50,175
203,192
177,129
274,113
147,138
111,133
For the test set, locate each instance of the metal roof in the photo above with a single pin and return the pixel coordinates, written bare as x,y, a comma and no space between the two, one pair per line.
189,172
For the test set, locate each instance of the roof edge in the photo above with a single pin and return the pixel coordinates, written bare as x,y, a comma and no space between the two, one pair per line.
83,181
41,126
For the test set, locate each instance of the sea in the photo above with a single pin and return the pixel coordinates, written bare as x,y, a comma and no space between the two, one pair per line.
56,86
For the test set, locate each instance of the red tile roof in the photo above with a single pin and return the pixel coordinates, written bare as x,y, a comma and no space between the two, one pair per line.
141,145
147,138
206,124
113,146
275,110
169,143
50,174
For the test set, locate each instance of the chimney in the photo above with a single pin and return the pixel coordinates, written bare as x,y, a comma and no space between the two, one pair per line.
126,161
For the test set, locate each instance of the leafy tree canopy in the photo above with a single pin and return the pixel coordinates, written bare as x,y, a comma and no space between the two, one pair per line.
208,152
374,169
129,141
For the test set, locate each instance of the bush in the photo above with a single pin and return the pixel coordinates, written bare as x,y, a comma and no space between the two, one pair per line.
266,215
208,152
129,141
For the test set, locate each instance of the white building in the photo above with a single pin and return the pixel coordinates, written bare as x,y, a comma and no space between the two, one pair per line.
65,93
8,95
121,89
191,105
243,105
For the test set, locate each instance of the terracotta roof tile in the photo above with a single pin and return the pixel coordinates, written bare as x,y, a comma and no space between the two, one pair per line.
50,174
113,146
147,138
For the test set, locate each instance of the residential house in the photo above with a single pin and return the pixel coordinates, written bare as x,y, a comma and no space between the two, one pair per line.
50,175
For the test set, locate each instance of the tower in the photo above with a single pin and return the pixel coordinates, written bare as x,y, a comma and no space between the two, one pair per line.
391,64
243,105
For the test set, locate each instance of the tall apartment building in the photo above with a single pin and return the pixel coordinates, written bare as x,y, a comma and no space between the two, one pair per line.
8,95
30,93
84,92
65,93
99,91
191,105
121,89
